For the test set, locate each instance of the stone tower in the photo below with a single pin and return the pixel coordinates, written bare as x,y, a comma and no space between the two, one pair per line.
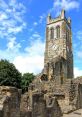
58,61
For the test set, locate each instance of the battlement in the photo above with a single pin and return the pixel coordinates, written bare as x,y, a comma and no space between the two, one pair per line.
61,17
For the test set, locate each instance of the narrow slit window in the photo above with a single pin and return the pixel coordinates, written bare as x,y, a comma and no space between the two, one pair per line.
52,33
58,31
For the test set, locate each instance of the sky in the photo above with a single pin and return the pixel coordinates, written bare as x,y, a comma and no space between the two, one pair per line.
22,31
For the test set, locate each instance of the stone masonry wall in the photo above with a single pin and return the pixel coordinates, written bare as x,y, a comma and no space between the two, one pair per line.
24,106
9,102
38,105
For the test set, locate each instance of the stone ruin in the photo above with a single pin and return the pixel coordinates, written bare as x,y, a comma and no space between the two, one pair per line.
31,104
43,99
52,97
54,91
39,106
47,99
9,102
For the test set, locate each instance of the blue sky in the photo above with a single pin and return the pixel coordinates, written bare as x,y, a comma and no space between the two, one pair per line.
22,31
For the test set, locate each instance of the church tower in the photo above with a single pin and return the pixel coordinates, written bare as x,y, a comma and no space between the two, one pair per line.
58,61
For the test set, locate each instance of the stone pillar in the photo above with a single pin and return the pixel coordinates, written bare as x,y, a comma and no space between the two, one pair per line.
63,14
39,105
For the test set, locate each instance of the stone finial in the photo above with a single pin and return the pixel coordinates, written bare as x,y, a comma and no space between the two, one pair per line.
69,20
63,14
48,18
49,15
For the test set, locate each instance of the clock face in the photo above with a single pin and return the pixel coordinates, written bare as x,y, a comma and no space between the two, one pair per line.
55,47
53,50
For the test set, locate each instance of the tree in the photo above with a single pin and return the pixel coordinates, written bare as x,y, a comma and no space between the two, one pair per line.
27,78
9,75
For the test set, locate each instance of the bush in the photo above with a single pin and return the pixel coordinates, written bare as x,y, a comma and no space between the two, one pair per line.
27,78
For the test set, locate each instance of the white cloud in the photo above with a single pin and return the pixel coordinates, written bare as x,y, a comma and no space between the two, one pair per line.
79,35
35,24
3,16
77,45
79,54
13,45
42,17
77,72
33,59
11,21
11,17
36,48
29,60
64,4
32,64
36,35
9,54
3,4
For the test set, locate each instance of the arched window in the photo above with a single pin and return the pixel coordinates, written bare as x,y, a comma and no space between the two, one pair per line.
52,33
58,32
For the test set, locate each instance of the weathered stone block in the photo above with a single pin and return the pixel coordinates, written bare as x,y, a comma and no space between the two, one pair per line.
9,102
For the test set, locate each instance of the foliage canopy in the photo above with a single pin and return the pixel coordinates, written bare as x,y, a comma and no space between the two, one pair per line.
9,75
27,78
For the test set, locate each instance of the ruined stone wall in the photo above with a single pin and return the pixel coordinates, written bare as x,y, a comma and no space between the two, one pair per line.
80,95
33,106
24,106
44,99
38,105
73,96
68,94
9,102
52,107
